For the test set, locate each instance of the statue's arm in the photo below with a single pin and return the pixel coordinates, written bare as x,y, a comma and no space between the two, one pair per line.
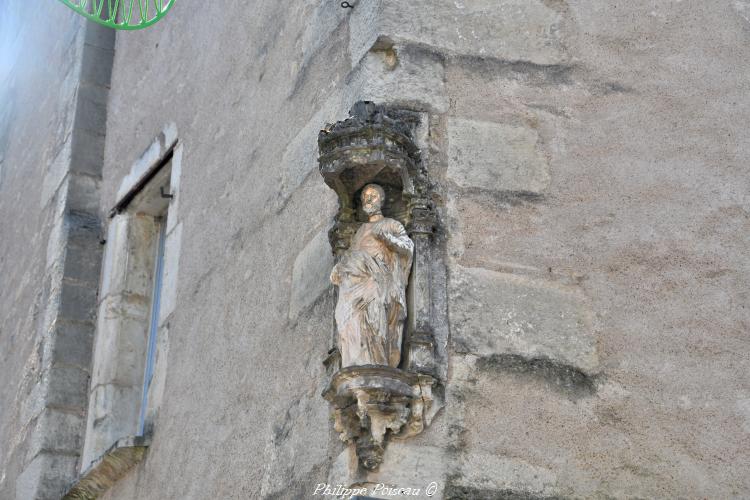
336,275
397,238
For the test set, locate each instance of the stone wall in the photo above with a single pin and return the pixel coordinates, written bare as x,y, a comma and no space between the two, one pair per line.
589,160
54,81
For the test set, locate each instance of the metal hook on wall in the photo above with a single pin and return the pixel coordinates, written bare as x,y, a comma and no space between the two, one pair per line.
165,195
346,5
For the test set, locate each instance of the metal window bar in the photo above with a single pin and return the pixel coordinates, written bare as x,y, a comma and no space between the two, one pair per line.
153,325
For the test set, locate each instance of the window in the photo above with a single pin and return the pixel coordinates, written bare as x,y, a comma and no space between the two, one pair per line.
153,328
136,299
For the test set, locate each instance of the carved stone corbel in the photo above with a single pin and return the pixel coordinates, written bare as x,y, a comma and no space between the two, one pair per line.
370,400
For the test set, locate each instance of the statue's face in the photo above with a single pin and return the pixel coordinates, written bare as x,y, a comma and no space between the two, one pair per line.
371,201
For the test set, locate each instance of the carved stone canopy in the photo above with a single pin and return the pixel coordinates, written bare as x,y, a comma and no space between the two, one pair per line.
370,146
373,145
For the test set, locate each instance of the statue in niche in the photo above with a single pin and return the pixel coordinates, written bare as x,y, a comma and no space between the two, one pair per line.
372,276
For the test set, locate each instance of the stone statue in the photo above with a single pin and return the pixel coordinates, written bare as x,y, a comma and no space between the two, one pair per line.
372,276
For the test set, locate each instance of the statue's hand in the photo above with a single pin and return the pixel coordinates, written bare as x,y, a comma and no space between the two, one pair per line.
378,232
388,237
335,275
399,241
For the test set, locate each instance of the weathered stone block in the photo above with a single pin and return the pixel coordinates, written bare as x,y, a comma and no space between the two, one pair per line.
742,7
364,29
119,406
45,477
88,146
310,273
58,232
84,193
73,342
495,313
115,255
488,474
414,80
174,187
301,154
120,345
56,172
96,66
129,256
77,301
148,160
83,255
67,387
171,268
496,156
91,113
323,21
112,415
99,36
168,136
406,465
56,431
159,377
510,30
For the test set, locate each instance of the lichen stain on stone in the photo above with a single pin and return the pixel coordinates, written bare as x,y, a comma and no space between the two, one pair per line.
458,438
390,58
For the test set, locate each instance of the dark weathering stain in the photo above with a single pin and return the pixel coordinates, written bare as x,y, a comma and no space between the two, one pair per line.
84,227
282,430
515,198
617,88
540,75
455,491
507,198
561,377
320,61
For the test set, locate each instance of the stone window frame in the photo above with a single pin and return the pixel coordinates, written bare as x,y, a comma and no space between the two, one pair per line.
119,427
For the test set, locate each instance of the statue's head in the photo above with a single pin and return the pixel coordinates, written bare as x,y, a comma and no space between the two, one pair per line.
372,199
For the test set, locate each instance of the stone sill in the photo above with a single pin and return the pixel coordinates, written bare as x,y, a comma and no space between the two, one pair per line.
107,469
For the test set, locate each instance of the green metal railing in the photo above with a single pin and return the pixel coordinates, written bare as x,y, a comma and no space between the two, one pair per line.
122,14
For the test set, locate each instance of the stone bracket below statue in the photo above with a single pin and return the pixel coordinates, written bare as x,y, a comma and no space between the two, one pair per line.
372,403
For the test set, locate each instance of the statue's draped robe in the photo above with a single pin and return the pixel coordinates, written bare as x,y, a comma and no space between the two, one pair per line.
371,307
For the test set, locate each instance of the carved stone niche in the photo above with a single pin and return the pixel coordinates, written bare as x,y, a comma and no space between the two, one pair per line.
375,145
